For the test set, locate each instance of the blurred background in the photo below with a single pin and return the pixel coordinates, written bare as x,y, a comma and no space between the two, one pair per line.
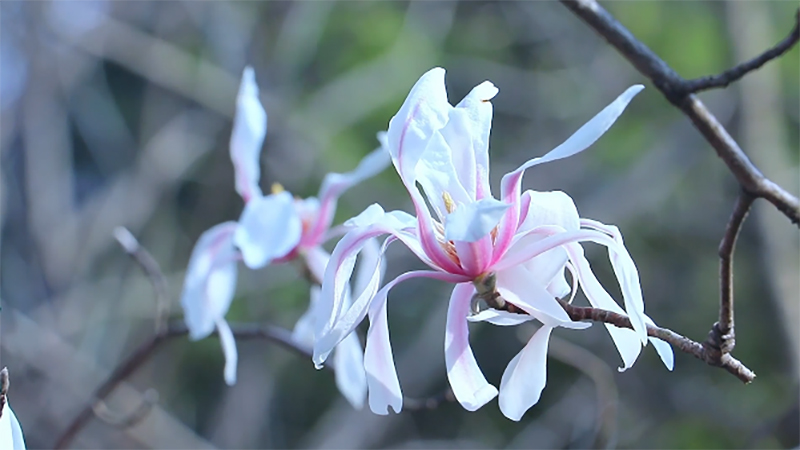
119,113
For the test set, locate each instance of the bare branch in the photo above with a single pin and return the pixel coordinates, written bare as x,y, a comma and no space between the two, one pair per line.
674,88
684,344
726,248
736,73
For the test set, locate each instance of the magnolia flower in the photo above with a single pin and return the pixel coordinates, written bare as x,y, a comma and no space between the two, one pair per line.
273,228
10,432
510,253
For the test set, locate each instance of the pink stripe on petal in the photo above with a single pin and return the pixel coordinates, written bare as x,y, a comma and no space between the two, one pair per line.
384,386
466,379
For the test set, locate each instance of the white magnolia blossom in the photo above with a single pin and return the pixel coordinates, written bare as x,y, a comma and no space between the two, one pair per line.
273,228
10,432
524,242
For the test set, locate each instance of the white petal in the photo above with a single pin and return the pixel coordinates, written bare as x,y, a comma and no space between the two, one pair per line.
627,342
269,228
351,378
518,286
466,379
467,132
510,185
229,350
424,111
335,184
436,174
548,208
525,377
384,387
500,318
473,221
11,437
664,352
316,259
249,129
370,262
210,280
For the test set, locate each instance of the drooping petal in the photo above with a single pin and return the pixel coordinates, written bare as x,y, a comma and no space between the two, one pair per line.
384,387
335,184
663,349
210,280
303,331
466,379
249,129
316,259
269,228
525,377
11,436
371,261
351,378
627,342
228,350
474,220
586,135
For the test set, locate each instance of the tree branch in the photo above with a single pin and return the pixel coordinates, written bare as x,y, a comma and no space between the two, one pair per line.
682,343
678,91
736,73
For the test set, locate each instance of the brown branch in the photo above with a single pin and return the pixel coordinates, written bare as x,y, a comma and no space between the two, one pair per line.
682,343
678,91
736,73
726,248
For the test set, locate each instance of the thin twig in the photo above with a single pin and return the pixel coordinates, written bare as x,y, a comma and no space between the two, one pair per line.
726,248
735,73
682,343
151,269
674,88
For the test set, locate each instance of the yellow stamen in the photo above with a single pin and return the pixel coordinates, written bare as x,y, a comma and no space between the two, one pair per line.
277,188
449,204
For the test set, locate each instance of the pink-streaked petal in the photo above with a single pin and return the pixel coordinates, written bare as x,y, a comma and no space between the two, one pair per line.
525,377
335,184
229,350
466,379
627,342
249,129
475,257
351,379
424,111
269,228
210,280
384,386
11,436
518,286
586,135
500,318
472,221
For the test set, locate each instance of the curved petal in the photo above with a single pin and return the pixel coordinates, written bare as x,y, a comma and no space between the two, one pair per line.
269,228
627,342
229,350
371,262
663,349
384,387
437,175
249,129
210,280
351,378
11,437
466,379
468,129
586,135
316,259
335,184
525,377
424,111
